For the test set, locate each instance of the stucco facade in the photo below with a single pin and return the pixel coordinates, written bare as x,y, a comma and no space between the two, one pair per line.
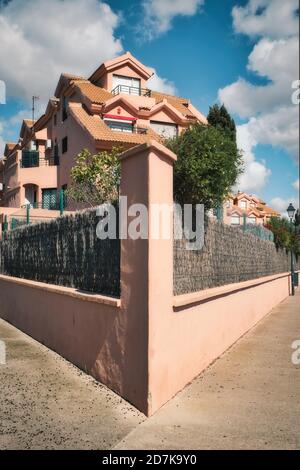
113,107
242,205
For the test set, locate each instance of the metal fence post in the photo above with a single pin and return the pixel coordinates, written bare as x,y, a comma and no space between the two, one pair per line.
244,222
219,213
5,224
61,201
27,214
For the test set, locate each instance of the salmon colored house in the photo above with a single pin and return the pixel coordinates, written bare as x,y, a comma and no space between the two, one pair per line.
242,205
113,107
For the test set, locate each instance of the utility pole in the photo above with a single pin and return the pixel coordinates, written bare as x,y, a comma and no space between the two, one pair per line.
34,99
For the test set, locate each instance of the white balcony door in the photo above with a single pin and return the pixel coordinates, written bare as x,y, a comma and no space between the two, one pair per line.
165,129
30,195
129,86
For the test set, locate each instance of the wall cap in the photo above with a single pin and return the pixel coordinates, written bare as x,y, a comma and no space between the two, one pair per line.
68,291
207,294
152,145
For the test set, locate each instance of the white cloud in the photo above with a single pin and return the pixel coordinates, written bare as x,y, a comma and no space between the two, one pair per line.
272,18
256,173
158,14
278,62
40,39
163,85
272,118
280,204
279,128
13,123
296,184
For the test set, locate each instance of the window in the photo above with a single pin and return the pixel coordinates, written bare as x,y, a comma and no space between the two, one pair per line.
119,125
251,220
64,145
243,205
56,153
64,108
235,220
64,189
49,198
164,129
128,85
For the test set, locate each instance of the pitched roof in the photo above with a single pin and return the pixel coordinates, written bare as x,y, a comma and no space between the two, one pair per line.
181,104
113,64
101,132
92,92
238,210
29,122
268,210
9,146
64,80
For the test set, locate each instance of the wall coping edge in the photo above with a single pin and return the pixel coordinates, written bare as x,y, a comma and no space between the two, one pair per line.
151,145
68,291
207,294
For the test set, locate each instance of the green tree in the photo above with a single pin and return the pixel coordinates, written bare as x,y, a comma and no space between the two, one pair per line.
219,117
95,179
208,164
285,233
281,229
297,220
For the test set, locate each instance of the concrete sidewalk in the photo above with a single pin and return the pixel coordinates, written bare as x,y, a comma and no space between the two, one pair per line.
47,403
249,398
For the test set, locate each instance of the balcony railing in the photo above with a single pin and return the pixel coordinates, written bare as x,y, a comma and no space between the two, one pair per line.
50,205
131,90
140,130
31,159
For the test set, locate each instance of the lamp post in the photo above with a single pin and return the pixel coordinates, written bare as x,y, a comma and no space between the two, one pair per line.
291,212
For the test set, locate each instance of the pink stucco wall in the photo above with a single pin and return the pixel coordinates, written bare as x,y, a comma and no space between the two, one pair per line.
78,139
148,344
184,336
194,335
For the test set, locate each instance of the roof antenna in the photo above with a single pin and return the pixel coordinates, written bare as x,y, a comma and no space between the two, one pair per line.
34,99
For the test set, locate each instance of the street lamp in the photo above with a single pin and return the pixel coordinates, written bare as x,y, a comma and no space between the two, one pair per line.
291,212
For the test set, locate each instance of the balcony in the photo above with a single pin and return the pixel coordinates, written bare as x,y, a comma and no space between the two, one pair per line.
32,159
131,90
140,130
49,205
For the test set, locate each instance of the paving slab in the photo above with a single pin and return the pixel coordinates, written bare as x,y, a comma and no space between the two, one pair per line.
47,403
248,399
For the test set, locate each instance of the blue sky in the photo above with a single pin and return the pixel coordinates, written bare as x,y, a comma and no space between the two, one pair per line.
242,52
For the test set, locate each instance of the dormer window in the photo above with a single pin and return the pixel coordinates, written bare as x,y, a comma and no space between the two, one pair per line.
251,219
127,85
165,129
118,123
235,220
243,205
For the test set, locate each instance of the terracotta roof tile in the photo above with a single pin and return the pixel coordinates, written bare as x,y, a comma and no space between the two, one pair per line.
178,103
268,210
240,211
29,122
101,132
93,93
11,145
70,76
